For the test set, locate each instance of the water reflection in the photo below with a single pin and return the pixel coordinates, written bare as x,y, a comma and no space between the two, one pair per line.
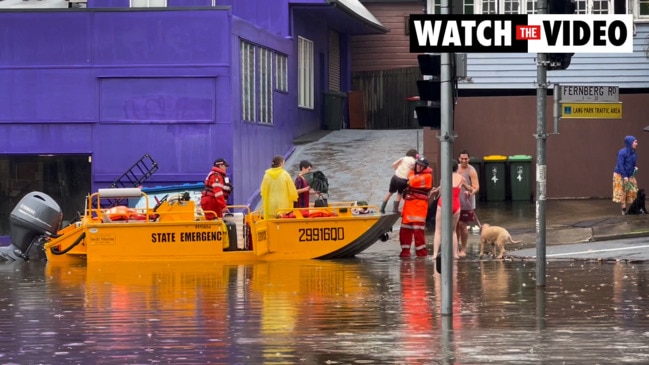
372,310
418,305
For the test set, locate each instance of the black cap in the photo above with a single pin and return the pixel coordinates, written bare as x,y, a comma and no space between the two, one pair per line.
221,161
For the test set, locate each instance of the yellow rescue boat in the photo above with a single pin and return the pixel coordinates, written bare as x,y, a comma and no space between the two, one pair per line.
176,230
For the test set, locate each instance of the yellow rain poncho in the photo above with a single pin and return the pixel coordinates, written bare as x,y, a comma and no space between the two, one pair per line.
277,191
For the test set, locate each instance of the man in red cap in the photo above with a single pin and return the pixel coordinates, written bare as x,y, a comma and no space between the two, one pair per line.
213,198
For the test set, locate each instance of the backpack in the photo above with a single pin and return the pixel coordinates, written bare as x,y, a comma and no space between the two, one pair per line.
319,182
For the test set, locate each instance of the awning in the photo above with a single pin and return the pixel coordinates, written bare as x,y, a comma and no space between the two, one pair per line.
346,16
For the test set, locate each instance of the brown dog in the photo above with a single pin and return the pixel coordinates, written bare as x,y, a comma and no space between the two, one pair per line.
496,236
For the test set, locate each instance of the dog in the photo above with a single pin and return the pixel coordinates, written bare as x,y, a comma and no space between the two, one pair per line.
496,236
638,206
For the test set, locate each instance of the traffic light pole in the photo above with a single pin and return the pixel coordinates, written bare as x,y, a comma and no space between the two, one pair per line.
446,140
446,137
541,167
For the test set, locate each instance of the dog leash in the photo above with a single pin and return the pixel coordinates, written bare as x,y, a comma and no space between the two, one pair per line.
475,218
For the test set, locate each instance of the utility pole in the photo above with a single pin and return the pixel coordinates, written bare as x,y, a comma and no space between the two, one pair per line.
446,137
541,168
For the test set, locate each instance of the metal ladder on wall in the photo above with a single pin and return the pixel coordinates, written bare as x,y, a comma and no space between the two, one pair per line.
134,177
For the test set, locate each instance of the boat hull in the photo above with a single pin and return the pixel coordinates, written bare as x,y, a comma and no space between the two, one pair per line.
176,233
297,239
323,238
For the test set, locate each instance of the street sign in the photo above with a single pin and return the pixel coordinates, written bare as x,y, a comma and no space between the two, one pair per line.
590,93
591,110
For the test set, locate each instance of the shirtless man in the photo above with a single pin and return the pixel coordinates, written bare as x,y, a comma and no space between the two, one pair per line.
467,199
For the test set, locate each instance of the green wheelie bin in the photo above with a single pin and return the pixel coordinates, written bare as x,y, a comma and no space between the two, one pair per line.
519,176
494,177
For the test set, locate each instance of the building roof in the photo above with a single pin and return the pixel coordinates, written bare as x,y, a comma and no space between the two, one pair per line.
349,16
357,10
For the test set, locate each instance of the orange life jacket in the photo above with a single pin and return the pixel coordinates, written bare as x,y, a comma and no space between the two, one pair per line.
419,184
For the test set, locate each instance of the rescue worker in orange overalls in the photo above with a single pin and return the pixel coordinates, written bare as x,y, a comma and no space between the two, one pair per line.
213,198
415,209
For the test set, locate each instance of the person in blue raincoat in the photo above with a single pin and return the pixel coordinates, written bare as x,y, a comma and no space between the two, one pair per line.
277,189
625,186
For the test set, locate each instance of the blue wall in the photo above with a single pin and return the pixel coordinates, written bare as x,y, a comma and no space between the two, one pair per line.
314,30
117,84
256,144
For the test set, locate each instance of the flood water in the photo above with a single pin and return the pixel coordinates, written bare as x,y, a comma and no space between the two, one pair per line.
375,309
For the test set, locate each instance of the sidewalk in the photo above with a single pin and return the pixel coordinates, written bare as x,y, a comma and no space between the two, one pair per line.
567,221
358,164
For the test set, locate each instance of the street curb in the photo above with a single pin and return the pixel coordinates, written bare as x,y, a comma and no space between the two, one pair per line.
621,236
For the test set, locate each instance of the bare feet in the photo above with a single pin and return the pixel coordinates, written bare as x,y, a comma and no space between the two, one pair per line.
462,254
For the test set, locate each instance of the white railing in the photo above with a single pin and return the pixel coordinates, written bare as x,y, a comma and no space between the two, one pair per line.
35,4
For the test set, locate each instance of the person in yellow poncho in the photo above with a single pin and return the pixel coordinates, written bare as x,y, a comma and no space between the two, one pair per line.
277,189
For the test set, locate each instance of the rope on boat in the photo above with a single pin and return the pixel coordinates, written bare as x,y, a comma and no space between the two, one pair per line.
55,251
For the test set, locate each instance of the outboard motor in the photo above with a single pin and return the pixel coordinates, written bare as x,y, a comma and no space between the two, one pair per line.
35,216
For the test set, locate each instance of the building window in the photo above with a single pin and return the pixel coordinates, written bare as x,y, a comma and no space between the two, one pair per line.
593,7
265,70
258,80
468,6
438,7
489,7
281,72
148,3
505,6
642,7
600,7
305,73
248,82
582,6
511,6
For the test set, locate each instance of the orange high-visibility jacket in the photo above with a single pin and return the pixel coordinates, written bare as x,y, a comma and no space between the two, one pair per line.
415,205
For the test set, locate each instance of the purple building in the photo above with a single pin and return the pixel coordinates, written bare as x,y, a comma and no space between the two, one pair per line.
88,91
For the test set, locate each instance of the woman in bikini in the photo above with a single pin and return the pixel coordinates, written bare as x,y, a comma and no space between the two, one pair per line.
458,181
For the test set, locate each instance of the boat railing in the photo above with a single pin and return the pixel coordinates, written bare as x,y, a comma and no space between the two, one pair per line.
95,209
339,204
355,208
200,213
334,209
239,209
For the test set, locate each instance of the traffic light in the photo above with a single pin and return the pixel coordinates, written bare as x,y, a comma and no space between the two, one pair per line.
560,61
429,115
